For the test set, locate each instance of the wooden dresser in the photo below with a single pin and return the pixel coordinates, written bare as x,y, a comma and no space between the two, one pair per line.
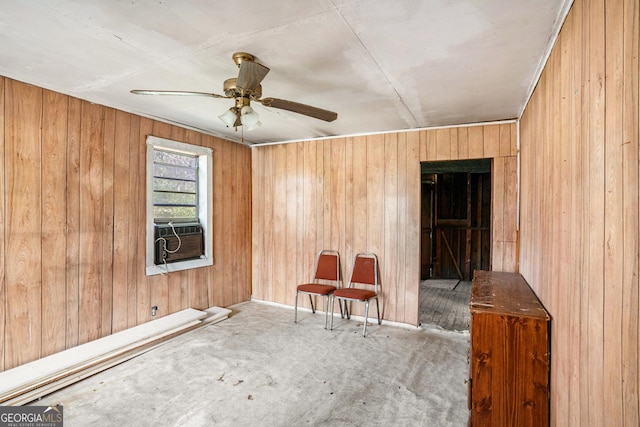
509,355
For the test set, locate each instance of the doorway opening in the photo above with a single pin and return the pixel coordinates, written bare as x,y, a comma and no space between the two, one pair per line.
455,237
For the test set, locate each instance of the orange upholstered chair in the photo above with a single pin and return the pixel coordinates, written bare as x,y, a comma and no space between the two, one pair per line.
363,287
326,280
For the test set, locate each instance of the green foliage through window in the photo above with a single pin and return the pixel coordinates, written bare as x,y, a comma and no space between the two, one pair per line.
175,185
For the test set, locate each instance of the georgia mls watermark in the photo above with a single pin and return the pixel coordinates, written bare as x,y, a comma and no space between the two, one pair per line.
31,416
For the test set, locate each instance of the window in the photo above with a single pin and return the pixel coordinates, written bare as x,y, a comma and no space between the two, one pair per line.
175,186
179,201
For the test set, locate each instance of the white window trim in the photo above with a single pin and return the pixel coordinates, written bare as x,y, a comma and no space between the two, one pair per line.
205,204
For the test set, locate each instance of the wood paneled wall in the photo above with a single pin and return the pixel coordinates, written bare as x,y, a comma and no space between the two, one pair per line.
72,224
362,194
580,212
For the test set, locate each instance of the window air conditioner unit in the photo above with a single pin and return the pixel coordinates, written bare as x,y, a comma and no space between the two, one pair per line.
178,242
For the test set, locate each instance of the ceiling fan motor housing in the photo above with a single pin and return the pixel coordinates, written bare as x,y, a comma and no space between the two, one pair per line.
231,90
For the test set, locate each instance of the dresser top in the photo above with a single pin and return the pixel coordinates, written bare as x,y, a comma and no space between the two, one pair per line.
504,293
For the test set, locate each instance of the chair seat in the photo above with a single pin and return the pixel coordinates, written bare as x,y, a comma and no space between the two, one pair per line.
354,293
314,288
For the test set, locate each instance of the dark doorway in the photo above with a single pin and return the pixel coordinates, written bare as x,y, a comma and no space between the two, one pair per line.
456,215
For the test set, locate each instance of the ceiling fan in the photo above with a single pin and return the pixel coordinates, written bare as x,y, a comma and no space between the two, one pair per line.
244,89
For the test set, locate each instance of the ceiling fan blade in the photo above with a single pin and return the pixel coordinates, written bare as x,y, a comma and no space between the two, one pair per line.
296,107
250,75
176,92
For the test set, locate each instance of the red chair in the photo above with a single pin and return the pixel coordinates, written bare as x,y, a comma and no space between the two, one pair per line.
364,273
327,270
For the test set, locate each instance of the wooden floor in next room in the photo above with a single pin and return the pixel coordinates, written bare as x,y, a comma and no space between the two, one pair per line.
445,303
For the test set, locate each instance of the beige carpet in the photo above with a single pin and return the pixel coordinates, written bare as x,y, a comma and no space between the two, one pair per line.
258,368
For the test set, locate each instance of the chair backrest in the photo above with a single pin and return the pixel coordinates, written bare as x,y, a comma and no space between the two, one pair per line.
328,266
365,270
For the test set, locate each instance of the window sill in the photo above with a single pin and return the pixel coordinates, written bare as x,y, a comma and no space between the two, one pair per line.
153,270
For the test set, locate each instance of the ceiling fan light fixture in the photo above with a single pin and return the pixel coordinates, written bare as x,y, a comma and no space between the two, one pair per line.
249,118
254,126
229,117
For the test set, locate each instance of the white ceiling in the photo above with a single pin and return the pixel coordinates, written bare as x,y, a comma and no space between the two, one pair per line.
382,65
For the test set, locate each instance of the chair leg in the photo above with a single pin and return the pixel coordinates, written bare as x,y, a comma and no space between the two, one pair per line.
333,301
378,311
326,312
295,318
313,309
366,316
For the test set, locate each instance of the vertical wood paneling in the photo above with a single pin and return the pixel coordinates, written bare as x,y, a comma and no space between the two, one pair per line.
507,143
91,202
310,195
3,287
23,176
72,257
405,175
319,202
412,236
375,195
278,276
476,142
107,222
631,214
54,236
497,214
580,134
443,143
337,195
74,119
509,214
491,141
121,199
390,224
300,225
560,177
257,213
243,277
432,142
216,286
229,199
290,235
360,206
138,295
198,278
613,210
576,398
453,144
596,199
463,143
325,220
267,227
140,128
350,217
